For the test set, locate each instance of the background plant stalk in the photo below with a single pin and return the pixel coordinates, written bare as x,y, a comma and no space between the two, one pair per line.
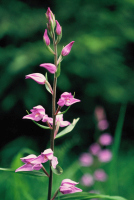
54,118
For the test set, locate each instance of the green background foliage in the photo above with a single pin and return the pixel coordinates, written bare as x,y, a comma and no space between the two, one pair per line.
99,70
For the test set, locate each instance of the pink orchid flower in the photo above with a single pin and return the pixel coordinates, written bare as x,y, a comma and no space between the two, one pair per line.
38,113
94,148
43,157
104,155
50,67
67,99
68,186
100,175
59,120
87,180
39,78
66,50
46,38
105,139
86,159
29,166
58,28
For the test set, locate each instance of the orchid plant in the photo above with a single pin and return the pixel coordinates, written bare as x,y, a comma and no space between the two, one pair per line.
32,162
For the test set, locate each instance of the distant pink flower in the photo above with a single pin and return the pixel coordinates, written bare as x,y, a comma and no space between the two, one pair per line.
103,124
28,166
54,162
50,67
66,50
46,38
59,119
39,78
100,175
87,180
43,157
94,148
99,113
38,112
104,155
58,28
67,99
68,186
86,159
105,139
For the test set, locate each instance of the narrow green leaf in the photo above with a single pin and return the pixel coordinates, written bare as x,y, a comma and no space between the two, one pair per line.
68,128
58,170
86,195
46,86
41,126
64,111
31,173
58,71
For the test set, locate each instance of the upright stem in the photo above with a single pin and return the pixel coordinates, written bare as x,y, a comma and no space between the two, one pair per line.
54,118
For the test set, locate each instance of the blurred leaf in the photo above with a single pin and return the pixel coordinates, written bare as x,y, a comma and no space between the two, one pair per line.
33,173
67,129
85,195
58,170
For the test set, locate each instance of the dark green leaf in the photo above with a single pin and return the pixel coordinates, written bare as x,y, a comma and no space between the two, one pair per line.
86,195
58,170
67,129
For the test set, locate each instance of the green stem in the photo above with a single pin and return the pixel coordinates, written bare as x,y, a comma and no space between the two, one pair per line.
116,146
54,119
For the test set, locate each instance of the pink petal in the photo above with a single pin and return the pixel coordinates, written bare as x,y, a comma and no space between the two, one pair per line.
46,38
50,67
66,50
39,78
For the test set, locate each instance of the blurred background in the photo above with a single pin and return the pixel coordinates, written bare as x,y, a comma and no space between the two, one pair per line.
99,70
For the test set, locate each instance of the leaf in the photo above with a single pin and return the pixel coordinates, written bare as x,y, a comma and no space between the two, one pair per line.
68,128
64,111
47,88
58,170
58,71
86,195
41,126
31,173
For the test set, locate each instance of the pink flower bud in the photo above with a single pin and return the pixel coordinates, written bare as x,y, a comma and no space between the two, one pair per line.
50,67
58,28
39,78
46,38
66,50
51,19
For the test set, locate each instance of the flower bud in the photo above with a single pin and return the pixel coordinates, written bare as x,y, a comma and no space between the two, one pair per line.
58,28
50,67
66,50
51,20
46,38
